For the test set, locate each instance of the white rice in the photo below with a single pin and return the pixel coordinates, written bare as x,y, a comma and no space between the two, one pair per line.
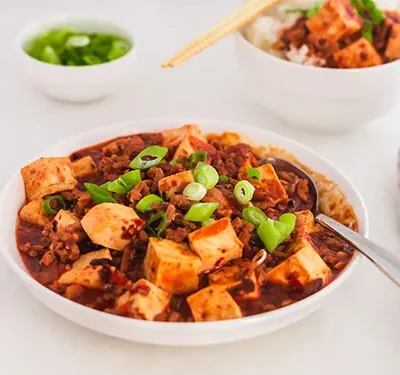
265,30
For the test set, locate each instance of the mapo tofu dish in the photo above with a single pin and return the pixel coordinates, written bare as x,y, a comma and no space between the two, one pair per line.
177,226
344,34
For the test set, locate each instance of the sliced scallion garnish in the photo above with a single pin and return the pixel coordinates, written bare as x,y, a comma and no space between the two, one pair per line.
200,212
146,203
50,202
243,192
149,157
194,191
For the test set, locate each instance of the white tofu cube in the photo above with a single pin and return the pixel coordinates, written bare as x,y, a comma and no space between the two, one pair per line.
303,267
83,273
269,182
305,223
84,167
65,218
335,19
392,51
143,301
172,137
47,176
213,303
175,183
360,54
106,223
190,144
33,213
216,244
239,278
171,266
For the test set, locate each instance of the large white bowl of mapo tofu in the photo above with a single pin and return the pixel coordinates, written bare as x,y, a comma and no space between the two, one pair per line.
176,228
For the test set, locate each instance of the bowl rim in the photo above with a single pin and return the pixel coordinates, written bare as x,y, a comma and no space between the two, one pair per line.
319,70
34,27
232,323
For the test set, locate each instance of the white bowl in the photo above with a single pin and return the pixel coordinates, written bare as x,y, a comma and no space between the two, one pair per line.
76,83
319,99
166,333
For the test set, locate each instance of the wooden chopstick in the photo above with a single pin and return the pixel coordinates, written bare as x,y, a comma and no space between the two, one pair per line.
237,19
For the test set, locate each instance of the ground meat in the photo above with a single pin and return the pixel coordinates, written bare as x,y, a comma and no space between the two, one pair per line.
134,146
177,234
138,192
47,258
170,212
180,201
64,242
303,190
155,174
296,34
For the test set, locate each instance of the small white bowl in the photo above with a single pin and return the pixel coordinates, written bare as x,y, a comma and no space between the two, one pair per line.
76,83
319,99
168,333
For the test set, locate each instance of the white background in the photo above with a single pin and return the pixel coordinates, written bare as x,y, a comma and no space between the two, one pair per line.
357,332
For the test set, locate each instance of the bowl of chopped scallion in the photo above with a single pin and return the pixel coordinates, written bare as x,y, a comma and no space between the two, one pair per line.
77,59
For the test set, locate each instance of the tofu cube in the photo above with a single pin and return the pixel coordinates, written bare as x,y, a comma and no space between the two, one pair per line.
335,19
305,223
143,301
269,182
85,274
84,167
172,137
171,266
190,144
213,303
175,183
106,223
303,267
47,176
360,54
216,244
239,278
65,218
392,51
33,213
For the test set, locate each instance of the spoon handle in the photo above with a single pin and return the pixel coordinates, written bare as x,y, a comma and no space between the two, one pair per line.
387,262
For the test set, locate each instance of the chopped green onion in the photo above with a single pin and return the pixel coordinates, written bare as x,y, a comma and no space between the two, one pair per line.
99,194
273,233
173,163
50,56
314,9
295,10
155,153
253,173
225,179
200,212
196,157
125,183
119,48
146,203
48,202
243,192
194,191
206,222
206,175
77,41
367,31
358,6
69,47
377,16
254,215
158,230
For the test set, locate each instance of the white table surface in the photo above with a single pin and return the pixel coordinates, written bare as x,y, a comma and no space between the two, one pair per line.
357,332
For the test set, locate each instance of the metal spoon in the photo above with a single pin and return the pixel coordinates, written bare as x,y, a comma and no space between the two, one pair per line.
388,263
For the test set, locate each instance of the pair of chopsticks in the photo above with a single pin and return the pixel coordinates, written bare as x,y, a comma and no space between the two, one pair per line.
233,22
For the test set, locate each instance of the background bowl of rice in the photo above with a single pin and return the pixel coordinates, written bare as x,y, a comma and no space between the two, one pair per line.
306,96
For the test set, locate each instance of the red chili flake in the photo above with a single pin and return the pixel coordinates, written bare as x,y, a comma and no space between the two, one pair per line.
118,279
